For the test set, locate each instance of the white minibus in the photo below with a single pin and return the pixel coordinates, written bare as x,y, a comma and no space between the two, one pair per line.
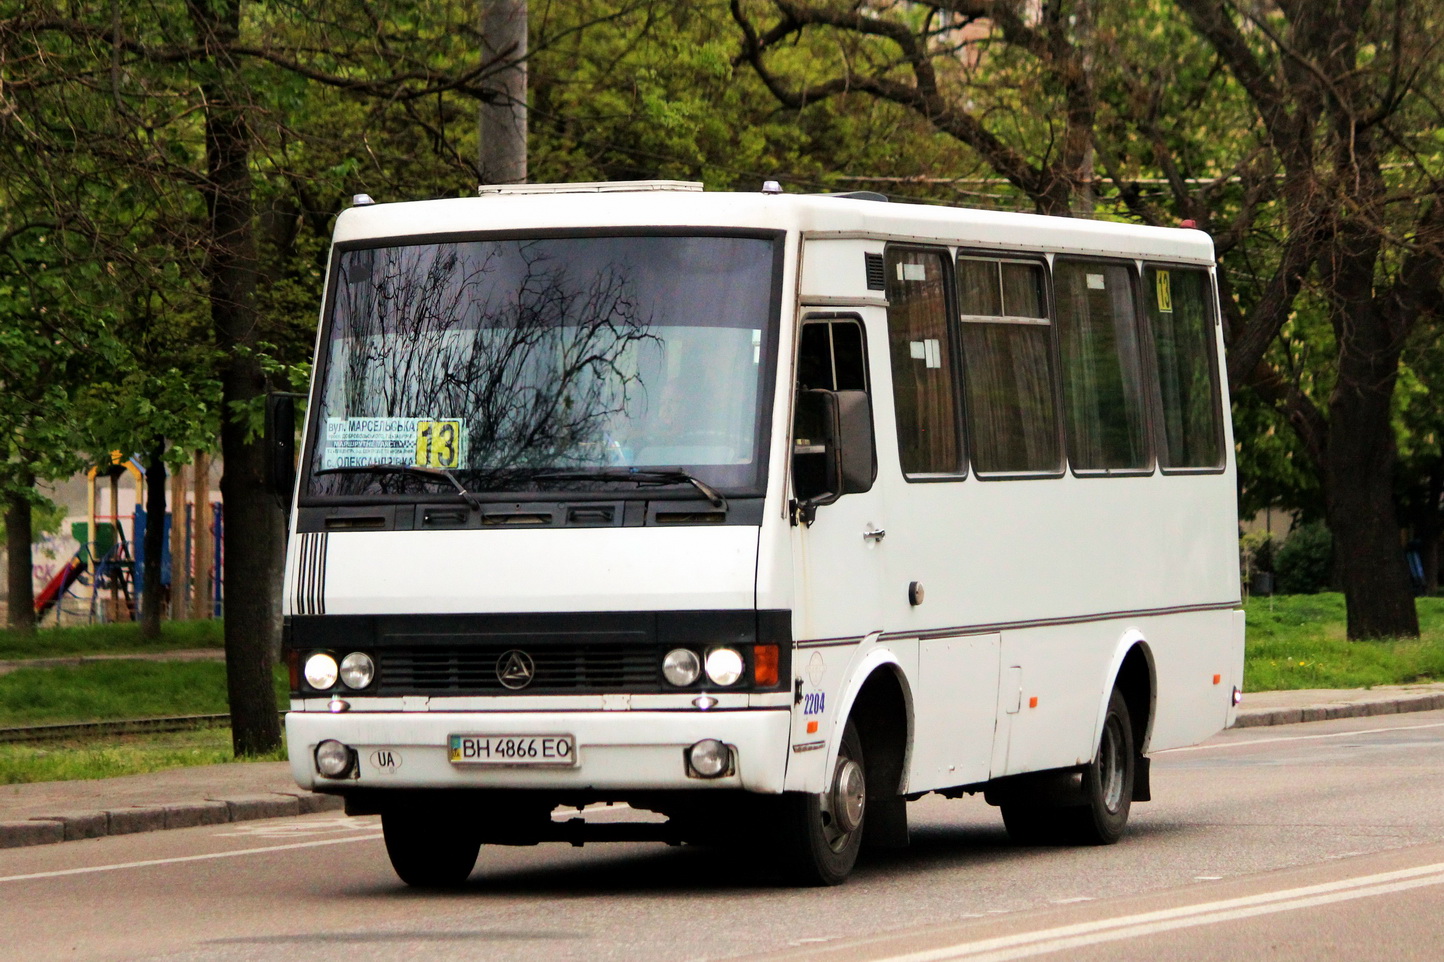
757,515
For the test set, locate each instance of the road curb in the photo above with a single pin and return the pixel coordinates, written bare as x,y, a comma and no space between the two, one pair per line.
1392,705
74,826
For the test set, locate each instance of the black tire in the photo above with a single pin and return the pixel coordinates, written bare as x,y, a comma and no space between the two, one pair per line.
1107,783
1107,787
427,851
822,834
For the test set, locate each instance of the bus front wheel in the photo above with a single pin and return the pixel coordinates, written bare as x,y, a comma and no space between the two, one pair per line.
429,852
821,834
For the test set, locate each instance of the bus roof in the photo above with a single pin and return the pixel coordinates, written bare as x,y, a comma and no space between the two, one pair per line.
673,205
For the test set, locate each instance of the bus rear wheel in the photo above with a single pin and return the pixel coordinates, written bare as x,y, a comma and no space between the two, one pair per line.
1107,783
1107,790
427,851
820,835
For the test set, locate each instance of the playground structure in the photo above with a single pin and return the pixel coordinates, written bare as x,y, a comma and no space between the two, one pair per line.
103,580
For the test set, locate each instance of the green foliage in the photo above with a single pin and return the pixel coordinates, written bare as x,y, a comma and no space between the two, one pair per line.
1274,470
649,90
1299,641
1304,563
46,517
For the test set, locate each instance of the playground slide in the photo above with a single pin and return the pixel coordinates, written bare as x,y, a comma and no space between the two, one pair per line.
59,584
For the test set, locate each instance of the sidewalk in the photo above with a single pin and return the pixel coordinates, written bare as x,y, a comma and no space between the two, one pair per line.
44,812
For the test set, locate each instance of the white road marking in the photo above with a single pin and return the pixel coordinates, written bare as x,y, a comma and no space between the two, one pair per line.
283,828
186,858
1061,938
1296,738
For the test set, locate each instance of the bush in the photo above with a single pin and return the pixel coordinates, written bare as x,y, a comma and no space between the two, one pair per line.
1305,561
1256,551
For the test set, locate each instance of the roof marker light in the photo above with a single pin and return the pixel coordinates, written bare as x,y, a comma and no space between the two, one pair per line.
362,200
771,187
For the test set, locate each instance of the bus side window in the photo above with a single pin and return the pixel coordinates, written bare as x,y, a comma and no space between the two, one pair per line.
1008,373
921,348
830,356
830,409
1179,314
1103,392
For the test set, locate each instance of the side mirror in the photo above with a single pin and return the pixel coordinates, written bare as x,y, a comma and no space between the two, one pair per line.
281,444
856,452
832,449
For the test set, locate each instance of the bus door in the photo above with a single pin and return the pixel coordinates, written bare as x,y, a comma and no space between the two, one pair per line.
837,509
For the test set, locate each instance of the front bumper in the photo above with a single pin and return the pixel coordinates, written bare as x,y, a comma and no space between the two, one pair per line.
624,750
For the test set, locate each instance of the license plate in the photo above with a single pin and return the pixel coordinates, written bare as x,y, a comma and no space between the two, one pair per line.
554,750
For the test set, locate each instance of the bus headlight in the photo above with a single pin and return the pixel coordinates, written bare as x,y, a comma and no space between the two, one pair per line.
724,666
709,758
333,759
681,667
320,671
357,670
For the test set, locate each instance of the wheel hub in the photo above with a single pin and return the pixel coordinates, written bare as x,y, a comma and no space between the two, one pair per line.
849,795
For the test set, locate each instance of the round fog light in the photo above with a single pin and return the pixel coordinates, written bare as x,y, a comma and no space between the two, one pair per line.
710,758
320,671
333,759
724,666
357,670
681,667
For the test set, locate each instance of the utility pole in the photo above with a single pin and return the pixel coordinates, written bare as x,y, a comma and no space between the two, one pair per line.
502,155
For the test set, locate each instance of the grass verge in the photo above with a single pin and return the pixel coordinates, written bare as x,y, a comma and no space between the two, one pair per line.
107,690
119,638
1299,641
104,691
123,755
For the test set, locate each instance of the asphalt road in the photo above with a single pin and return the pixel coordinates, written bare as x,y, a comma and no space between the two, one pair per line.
1318,841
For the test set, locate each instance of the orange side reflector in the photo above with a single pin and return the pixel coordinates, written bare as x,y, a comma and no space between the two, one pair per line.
764,666
812,728
1217,679
1033,702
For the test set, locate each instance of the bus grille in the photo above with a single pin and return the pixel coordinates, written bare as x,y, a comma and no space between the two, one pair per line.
473,670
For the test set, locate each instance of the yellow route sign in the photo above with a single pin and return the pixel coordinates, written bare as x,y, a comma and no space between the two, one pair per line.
438,444
1163,287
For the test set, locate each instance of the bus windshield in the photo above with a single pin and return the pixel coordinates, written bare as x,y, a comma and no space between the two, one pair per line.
531,364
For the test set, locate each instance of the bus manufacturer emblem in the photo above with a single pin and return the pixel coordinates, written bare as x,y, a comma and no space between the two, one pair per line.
515,669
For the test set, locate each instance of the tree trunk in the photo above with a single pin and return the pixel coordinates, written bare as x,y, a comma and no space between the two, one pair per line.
150,597
19,576
1359,491
252,519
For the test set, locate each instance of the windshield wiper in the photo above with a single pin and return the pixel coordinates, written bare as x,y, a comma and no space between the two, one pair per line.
640,476
413,469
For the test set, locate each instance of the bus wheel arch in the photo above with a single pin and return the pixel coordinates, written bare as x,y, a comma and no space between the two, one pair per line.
1136,681
881,712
